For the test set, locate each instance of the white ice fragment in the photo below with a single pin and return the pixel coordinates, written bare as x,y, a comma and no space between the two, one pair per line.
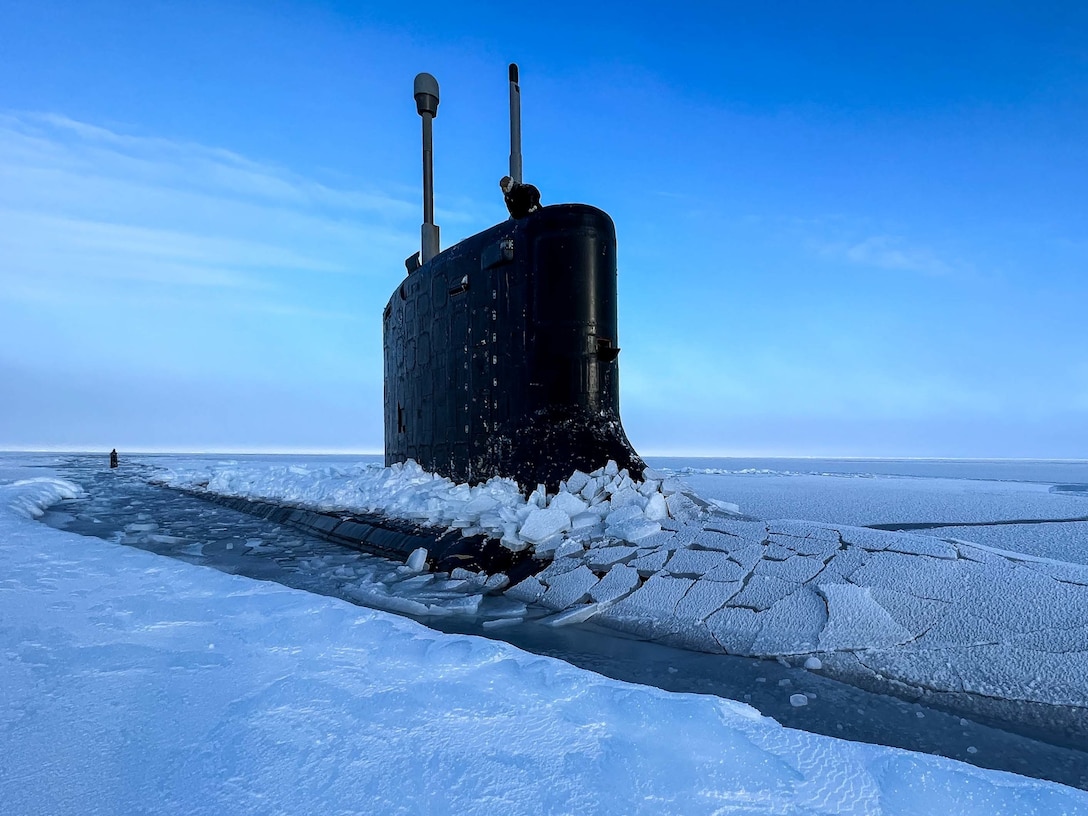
158,538
569,504
546,548
496,582
577,614
592,491
620,515
857,621
634,530
653,598
611,469
584,521
601,557
798,700
499,623
513,542
626,495
528,591
569,588
418,559
656,508
728,507
651,562
813,664
671,485
682,507
697,562
703,599
542,523
577,481
569,546
619,581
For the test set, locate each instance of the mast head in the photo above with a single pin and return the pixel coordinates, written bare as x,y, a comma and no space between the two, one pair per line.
426,93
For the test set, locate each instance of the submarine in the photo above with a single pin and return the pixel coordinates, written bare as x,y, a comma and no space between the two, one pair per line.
501,358
501,352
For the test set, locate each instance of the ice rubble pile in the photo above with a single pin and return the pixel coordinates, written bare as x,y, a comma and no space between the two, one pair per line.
588,509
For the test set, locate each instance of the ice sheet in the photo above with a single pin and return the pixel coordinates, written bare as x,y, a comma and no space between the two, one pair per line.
133,683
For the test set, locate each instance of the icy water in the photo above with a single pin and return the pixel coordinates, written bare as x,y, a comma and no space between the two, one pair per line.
121,506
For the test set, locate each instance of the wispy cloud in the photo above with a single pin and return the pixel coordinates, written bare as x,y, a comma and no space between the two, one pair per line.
233,265
55,141
80,202
894,253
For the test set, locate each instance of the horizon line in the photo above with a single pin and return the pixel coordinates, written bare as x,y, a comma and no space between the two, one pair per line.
289,451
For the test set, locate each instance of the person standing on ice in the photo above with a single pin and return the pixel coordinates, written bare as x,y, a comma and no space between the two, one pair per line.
521,199
113,458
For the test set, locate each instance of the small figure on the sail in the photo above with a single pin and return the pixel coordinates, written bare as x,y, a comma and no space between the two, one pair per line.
521,199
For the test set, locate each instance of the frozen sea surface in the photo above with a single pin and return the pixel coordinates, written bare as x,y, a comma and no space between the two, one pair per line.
902,492
170,523
134,683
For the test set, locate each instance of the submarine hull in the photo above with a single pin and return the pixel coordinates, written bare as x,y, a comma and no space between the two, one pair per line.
501,354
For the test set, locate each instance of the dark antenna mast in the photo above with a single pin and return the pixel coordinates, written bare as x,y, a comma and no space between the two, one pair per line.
515,125
426,94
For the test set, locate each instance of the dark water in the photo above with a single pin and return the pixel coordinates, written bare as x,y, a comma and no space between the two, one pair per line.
121,506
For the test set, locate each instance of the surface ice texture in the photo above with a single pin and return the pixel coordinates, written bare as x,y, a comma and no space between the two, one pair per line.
898,610
268,699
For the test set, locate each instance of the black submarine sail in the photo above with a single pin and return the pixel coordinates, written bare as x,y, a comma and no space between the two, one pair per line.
501,351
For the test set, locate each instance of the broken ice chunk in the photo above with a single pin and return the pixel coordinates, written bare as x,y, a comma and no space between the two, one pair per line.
651,562
619,581
656,508
418,559
577,481
569,504
528,590
569,588
577,614
857,621
542,523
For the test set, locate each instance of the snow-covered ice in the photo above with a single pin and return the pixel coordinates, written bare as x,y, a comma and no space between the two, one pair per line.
993,632
133,683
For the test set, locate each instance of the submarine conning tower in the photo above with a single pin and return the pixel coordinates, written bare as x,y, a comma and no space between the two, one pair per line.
501,352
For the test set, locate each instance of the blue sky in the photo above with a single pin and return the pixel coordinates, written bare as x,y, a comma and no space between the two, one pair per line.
844,229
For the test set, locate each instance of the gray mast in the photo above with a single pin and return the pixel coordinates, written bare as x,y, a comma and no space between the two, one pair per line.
515,125
426,94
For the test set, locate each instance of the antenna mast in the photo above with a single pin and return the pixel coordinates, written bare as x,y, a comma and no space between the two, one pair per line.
515,125
426,94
